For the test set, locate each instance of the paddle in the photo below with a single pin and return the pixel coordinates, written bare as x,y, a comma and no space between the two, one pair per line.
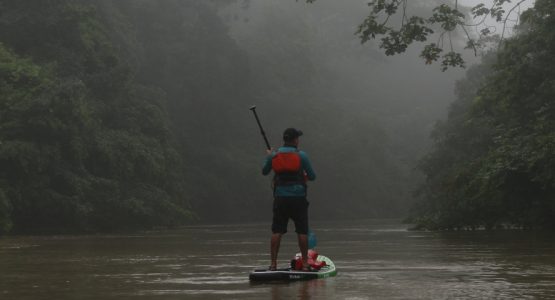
253,109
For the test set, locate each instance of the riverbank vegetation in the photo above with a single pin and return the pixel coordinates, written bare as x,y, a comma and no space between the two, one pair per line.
84,145
133,114
493,158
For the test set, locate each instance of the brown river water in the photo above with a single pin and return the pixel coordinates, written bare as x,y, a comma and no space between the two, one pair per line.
376,259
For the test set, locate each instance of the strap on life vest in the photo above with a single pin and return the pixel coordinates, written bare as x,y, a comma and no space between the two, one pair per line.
289,179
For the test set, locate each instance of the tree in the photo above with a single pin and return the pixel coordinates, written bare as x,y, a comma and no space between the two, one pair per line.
84,146
493,162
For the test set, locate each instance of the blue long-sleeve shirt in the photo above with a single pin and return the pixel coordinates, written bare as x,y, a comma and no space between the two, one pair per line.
295,190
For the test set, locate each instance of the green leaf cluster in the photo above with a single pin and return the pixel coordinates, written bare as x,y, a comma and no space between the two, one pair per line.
412,29
448,20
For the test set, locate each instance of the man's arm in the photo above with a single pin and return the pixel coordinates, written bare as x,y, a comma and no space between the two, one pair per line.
267,168
307,166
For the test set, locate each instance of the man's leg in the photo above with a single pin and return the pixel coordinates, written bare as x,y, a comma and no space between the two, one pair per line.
301,227
276,240
303,246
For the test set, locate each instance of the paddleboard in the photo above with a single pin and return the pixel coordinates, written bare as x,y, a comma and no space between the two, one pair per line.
288,274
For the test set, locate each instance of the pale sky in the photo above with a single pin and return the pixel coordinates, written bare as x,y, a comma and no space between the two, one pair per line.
524,5
492,23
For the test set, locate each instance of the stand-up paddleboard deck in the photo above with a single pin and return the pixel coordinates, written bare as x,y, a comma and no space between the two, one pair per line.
287,274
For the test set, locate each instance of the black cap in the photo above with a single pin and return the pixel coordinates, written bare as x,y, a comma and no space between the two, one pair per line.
291,133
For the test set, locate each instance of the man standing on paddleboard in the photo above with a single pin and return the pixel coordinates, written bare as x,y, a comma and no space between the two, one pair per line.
292,169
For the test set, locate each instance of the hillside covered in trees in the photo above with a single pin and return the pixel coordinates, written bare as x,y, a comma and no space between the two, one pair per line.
84,145
493,158
134,114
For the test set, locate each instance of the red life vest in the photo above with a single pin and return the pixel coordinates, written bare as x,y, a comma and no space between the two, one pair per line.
286,162
288,169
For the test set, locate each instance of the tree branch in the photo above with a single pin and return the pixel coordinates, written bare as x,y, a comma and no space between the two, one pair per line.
507,17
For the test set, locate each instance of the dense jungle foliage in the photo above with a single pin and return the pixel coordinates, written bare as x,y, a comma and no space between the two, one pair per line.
84,145
132,114
493,160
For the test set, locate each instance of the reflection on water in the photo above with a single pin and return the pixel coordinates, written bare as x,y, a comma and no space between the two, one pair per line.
375,260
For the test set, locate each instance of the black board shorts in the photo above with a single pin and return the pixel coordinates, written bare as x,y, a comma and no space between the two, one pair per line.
295,208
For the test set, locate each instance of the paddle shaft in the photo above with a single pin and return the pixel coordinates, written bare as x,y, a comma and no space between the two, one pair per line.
253,109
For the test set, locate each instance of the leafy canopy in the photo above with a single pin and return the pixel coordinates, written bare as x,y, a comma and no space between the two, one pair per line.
438,29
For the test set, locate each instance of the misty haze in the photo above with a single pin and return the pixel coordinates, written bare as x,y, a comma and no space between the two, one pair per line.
238,149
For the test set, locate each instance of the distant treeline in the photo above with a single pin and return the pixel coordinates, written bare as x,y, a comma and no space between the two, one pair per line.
493,162
132,114
85,144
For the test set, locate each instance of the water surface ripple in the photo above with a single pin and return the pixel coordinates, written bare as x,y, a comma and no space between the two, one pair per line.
376,259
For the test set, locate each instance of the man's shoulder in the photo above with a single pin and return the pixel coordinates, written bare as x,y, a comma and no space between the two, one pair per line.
303,154
292,149
287,149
